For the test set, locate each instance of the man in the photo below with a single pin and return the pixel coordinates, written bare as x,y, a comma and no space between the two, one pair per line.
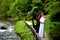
38,23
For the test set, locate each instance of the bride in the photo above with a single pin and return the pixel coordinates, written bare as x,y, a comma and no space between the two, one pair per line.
42,21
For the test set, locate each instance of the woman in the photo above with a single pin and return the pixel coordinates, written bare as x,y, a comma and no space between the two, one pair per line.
42,21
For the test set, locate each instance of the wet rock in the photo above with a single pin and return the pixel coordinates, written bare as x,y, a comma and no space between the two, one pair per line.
3,26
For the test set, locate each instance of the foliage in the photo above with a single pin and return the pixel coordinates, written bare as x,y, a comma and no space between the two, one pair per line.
24,32
52,21
26,9
20,8
4,7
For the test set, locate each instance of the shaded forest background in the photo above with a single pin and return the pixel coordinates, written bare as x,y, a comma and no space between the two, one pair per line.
21,9
25,9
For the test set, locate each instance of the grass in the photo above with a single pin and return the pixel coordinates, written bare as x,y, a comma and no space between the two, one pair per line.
23,31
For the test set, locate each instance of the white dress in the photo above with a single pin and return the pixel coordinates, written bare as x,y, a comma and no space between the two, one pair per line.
41,29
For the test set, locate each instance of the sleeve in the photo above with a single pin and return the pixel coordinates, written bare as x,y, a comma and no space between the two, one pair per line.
42,20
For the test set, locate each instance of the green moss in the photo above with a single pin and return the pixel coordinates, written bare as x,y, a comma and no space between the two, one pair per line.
23,31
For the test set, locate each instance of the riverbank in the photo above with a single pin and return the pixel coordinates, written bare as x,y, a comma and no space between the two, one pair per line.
9,19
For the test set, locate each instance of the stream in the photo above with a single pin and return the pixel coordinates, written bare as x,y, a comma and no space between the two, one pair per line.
8,33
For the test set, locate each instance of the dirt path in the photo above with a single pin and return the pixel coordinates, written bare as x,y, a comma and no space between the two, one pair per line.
45,38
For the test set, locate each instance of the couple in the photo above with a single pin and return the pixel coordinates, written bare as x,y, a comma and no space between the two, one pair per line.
40,24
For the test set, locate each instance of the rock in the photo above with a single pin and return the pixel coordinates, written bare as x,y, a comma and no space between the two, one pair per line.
3,26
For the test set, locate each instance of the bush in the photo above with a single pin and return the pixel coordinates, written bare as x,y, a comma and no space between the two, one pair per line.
23,31
53,26
53,20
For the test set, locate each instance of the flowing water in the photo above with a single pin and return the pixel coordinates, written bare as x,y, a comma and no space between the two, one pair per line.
8,34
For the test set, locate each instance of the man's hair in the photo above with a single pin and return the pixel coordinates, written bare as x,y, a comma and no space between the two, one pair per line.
44,13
